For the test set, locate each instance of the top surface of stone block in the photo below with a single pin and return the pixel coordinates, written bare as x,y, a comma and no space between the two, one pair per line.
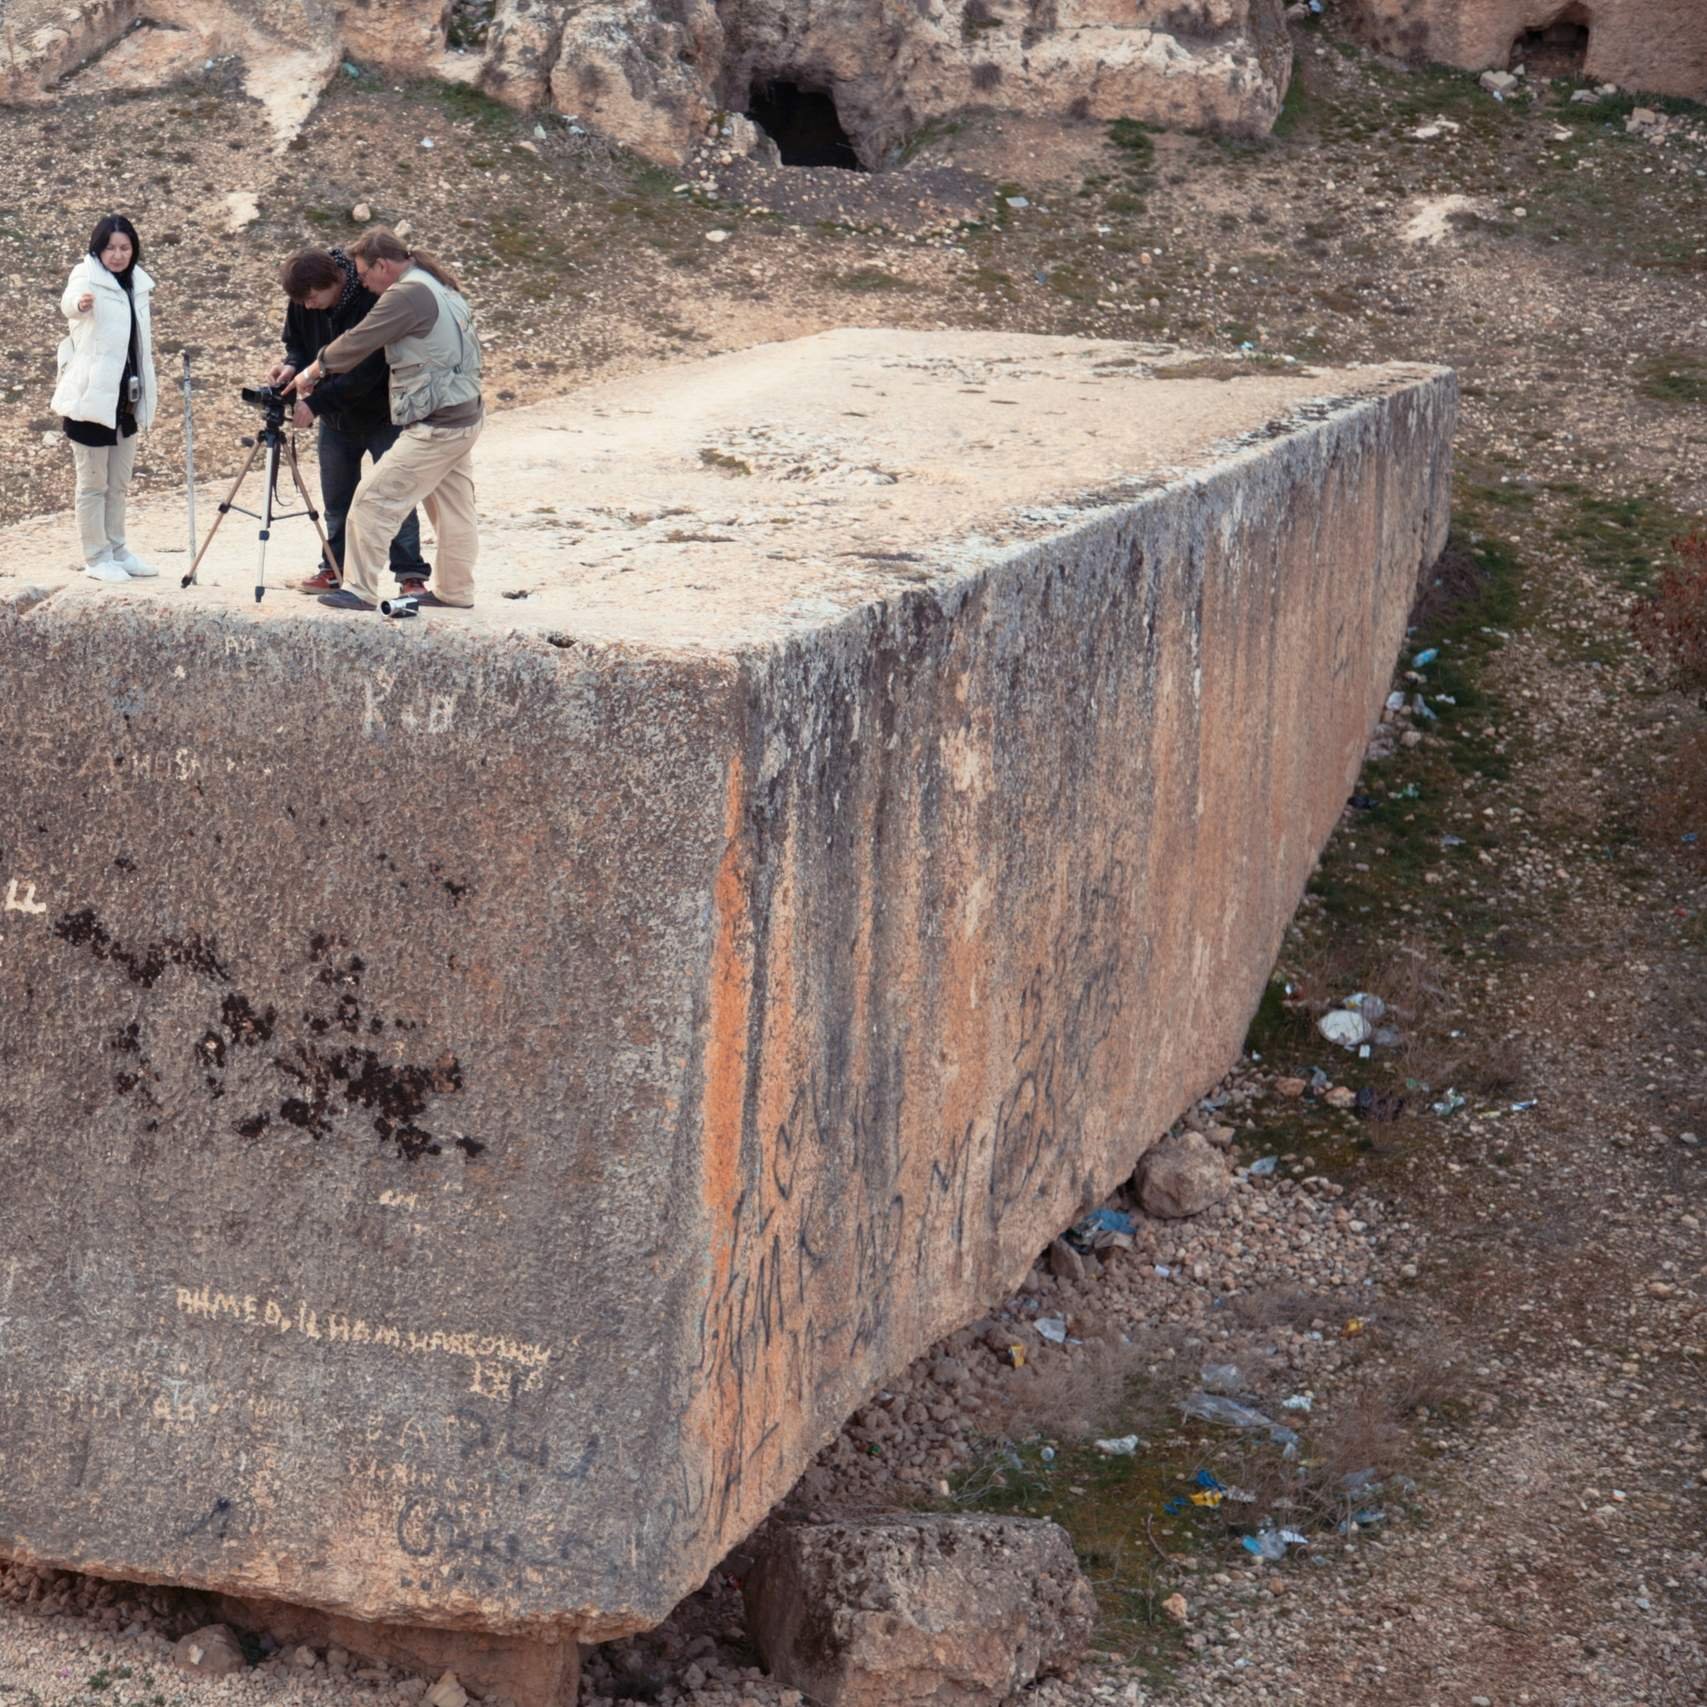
740,499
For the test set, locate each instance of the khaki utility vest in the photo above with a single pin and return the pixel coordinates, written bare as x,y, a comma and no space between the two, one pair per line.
439,368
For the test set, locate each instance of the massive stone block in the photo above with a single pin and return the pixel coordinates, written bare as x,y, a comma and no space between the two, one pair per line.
483,1098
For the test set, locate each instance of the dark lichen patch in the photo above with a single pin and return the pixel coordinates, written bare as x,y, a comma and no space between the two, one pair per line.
356,1078
244,1024
146,965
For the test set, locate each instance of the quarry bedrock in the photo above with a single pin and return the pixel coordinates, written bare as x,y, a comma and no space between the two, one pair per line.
480,1110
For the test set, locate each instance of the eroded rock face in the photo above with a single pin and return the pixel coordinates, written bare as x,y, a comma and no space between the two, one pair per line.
485,1099
942,1610
653,73
1656,45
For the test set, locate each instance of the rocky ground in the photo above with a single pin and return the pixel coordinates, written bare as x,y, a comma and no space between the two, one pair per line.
1482,1282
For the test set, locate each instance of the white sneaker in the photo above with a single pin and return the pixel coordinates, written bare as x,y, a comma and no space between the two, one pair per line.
133,565
105,569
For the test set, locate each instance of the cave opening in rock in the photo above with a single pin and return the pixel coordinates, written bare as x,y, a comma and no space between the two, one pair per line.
803,123
1556,49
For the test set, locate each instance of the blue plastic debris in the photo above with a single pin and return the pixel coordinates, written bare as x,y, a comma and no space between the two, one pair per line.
1112,1220
1261,1169
1363,1519
1103,1228
1271,1544
1215,1408
1424,658
1208,1480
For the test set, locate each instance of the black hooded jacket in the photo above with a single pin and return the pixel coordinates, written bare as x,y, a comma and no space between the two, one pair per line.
357,402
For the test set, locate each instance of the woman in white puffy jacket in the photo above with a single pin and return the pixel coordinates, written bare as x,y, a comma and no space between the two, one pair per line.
107,391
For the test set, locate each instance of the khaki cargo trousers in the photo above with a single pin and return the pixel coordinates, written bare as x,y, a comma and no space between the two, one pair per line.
429,466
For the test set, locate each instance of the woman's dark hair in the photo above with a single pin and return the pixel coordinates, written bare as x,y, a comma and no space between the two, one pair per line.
381,243
309,269
116,222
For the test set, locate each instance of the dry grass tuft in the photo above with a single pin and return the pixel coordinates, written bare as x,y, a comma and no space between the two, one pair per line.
1073,1399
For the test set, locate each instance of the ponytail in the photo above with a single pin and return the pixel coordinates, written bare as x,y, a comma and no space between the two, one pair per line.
427,264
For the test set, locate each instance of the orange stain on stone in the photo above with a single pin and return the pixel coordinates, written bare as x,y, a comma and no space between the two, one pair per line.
726,1046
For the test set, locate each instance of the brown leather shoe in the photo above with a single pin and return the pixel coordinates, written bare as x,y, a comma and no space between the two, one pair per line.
413,588
325,582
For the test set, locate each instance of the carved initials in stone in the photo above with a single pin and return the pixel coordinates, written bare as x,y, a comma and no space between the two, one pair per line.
25,903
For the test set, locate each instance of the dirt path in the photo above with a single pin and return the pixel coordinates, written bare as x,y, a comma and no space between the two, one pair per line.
1498,1310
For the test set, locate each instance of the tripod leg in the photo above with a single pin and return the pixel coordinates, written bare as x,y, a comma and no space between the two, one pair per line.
267,517
313,514
224,510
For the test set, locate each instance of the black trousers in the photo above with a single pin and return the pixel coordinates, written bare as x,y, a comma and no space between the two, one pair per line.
340,473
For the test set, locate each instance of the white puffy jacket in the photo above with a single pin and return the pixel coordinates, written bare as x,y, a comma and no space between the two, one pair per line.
91,358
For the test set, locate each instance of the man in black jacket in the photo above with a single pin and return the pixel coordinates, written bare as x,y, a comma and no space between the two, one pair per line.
353,409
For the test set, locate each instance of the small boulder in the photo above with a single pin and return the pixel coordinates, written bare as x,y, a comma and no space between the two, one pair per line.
921,1608
211,1651
1183,1175
1065,1263
447,1692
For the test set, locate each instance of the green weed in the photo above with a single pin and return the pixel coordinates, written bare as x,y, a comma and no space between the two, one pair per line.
1133,138
1676,376
864,281
724,463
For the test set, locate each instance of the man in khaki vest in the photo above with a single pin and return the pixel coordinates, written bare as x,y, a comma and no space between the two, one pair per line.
425,326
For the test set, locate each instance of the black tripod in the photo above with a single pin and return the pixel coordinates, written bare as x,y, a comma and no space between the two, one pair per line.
272,436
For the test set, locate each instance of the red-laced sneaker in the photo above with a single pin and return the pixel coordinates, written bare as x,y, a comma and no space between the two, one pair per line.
325,582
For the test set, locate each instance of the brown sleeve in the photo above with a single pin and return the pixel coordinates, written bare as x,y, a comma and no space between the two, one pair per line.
406,310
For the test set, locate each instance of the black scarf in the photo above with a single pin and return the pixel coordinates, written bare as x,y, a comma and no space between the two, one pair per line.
352,283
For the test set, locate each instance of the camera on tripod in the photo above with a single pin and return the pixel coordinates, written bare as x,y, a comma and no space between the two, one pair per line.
270,399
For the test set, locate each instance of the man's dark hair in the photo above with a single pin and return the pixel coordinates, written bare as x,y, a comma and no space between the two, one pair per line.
116,222
309,269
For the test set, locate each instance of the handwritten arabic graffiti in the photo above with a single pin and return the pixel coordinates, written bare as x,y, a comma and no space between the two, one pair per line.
836,1223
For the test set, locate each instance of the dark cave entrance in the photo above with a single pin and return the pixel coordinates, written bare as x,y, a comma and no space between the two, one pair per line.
803,123
1558,49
